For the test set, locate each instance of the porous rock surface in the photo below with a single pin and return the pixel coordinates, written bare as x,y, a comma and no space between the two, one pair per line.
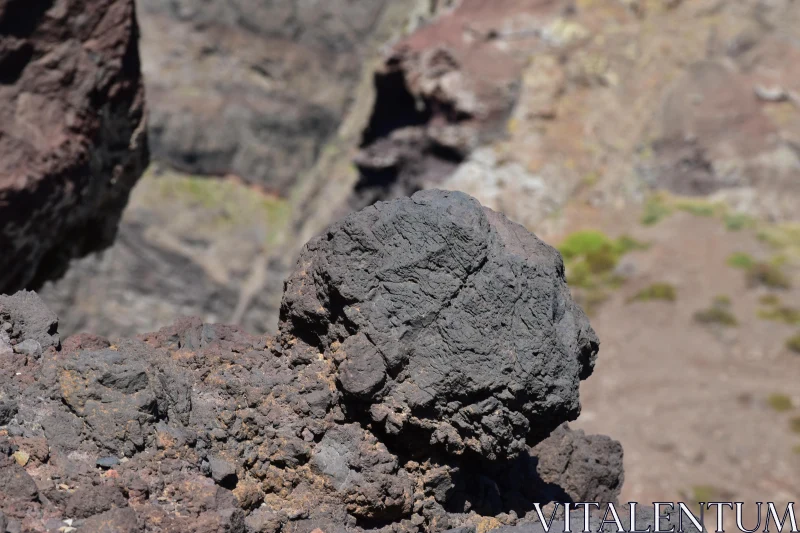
426,345
72,136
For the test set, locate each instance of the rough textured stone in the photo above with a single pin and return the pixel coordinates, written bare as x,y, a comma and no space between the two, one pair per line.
72,131
482,344
30,319
426,344
585,467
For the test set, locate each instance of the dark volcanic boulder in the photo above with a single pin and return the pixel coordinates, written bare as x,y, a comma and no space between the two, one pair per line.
72,135
426,344
444,318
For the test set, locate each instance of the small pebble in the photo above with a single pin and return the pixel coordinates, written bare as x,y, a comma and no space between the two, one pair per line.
29,347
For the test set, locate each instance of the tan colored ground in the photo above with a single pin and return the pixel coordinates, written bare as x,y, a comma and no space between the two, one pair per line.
690,402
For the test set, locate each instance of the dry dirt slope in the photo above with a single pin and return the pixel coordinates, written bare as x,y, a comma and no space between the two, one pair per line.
704,408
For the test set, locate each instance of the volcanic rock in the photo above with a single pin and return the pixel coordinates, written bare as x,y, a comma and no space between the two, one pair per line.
72,136
439,95
426,344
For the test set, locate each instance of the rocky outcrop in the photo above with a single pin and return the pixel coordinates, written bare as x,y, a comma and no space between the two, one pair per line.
72,135
426,344
440,93
606,101
250,88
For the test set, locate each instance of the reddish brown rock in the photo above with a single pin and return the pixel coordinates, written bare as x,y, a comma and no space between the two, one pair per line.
72,136
442,91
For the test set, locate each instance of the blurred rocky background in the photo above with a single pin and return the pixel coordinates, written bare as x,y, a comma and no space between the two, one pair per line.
655,142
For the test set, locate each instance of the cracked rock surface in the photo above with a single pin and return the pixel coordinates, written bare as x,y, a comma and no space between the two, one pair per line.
72,131
428,350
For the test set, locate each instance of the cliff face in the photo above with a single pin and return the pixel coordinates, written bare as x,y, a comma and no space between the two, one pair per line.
428,349
72,131
252,88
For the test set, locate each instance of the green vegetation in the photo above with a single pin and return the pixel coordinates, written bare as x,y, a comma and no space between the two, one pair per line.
794,424
741,260
700,208
590,257
719,313
780,402
705,493
769,299
787,315
656,291
655,210
722,300
779,313
796,449
582,243
781,236
738,221
785,240
769,275
793,343
661,205
591,300
228,202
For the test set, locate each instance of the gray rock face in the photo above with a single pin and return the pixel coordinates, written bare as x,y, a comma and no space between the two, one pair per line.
446,318
426,344
234,87
27,327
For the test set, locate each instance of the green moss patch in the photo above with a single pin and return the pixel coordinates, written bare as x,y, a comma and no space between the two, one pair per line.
591,257
781,236
787,315
718,313
705,493
773,310
741,260
768,275
770,300
661,205
738,221
793,343
228,202
700,208
780,402
656,209
656,291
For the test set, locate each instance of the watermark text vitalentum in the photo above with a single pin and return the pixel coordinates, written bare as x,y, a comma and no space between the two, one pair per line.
578,517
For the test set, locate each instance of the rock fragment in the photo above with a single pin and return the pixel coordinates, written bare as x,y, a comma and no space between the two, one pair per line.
72,132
